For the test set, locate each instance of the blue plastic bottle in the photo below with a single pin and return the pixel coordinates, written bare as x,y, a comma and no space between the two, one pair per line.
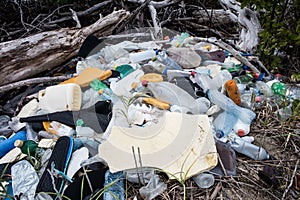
8,144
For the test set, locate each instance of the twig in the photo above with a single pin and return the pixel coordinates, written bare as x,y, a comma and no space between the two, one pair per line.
82,13
228,48
31,81
216,190
21,14
291,182
75,17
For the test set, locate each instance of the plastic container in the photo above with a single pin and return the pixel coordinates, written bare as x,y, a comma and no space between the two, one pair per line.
204,180
97,85
8,144
61,98
245,115
249,149
142,56
168,62
27,147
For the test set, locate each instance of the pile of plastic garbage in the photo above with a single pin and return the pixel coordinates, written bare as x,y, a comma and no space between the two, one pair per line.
133,110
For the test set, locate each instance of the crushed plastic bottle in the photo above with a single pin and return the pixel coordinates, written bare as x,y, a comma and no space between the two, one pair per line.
249,149
245,115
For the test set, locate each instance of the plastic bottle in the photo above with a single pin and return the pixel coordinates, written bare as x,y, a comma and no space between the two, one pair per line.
8,144
171,93
245,115
264,88
28,147
241,128
248,149
170,63
97,85
206,83
142,56
224,124
279,88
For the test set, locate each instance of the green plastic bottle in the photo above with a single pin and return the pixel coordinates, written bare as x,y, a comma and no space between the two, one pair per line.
28,147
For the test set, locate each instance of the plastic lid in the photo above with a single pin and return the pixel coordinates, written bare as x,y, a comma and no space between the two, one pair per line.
18,143
152,77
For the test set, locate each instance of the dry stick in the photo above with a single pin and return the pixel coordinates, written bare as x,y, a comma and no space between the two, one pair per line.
291,183
228,48
75,17
216,190
82,13
141,166
136,165
31,81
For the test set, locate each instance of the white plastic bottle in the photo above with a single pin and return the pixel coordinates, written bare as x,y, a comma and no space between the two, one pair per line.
141,56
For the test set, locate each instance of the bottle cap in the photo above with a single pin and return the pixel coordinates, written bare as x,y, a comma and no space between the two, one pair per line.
241,132
144,83
18,143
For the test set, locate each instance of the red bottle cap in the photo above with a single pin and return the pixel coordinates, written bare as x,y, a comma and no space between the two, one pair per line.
241,132
144,83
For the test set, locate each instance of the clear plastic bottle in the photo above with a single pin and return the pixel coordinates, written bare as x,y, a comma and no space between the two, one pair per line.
249,149
207,83
170,63
245,115
264,88
224,124
171,93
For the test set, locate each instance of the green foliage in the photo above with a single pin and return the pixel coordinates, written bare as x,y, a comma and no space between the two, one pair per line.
280,35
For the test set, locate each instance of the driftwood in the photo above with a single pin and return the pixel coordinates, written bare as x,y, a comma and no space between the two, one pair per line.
26,57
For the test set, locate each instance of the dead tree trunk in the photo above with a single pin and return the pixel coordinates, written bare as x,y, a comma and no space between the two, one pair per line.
26,57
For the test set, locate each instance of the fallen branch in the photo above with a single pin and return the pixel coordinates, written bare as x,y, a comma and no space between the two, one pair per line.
26,57
228,48
31,81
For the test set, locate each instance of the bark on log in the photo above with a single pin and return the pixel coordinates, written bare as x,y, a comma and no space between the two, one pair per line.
26,57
